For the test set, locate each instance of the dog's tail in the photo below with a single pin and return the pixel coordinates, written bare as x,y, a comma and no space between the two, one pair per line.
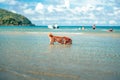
50,35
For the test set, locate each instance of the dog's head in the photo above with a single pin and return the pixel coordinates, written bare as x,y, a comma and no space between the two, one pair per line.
50,35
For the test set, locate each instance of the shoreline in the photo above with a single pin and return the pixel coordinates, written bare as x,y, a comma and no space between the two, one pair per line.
96,34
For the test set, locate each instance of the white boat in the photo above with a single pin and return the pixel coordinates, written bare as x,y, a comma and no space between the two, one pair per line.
53,26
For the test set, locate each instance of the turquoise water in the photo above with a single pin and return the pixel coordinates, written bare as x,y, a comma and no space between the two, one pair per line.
74,29
25,54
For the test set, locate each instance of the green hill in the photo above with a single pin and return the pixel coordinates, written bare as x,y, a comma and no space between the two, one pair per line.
8,18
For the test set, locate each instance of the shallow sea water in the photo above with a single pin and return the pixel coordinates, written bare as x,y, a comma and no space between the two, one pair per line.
28,56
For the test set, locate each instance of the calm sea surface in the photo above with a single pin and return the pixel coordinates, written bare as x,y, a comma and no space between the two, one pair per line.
25,54
74,29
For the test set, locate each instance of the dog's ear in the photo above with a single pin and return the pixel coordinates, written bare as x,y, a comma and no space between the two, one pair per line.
50,35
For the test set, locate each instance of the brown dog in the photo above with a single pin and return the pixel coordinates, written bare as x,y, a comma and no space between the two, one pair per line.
59,39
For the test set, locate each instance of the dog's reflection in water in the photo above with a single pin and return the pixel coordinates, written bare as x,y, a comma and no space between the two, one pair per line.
60,39
59,46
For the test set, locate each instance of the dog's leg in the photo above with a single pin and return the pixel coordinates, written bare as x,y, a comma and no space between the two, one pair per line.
52,41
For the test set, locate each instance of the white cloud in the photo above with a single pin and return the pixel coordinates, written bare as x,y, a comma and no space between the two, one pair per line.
1,1
102,22
110,14
88,2
84,14
50,8
77,9
117,12
112,22
67,11
13,11
29,11
37,18
39,8
115,8
99,8
85,9
12,2
24,6
59,8
92,16
95,22
67,3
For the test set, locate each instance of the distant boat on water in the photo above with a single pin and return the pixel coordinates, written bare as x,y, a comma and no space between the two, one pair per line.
53,26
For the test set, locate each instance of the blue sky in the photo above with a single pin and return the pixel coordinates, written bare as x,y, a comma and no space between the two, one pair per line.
66,12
